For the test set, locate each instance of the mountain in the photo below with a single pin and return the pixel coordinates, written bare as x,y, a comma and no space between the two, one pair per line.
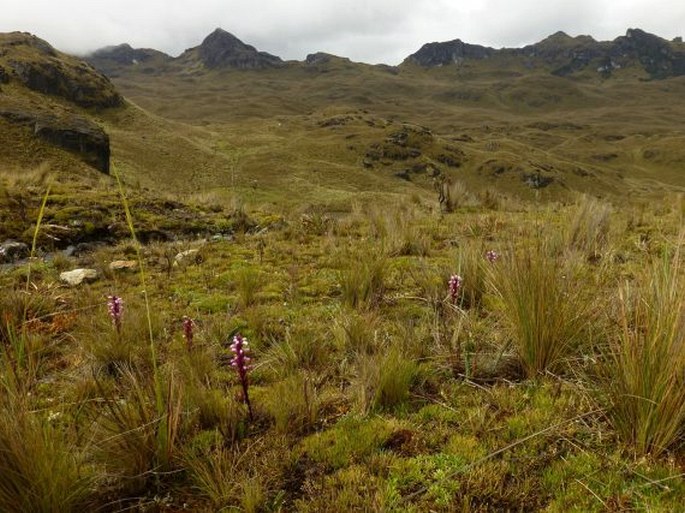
47,102
110,58
563,55
219,50
225,116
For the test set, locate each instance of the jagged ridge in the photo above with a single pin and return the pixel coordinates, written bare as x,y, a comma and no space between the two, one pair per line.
564,55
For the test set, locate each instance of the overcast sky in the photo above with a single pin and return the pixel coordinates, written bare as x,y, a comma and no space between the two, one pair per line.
371,31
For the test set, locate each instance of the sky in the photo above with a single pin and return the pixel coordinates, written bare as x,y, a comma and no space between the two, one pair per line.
372,31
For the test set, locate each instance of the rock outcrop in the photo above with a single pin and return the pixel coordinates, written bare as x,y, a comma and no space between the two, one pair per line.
41,68
53,90
11,251
78,276
451,52
75,134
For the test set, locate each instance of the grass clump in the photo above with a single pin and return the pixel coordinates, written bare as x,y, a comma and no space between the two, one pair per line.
137,443
646,362
42,472
543,305
590,226
363,284
384,381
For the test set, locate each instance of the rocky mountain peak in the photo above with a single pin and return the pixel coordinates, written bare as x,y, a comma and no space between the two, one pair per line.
451,52
221,49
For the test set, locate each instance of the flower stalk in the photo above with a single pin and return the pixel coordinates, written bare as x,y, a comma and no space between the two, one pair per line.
454,286
240,362
188,326
115,306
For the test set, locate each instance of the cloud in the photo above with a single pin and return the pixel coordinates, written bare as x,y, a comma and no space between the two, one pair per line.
364,30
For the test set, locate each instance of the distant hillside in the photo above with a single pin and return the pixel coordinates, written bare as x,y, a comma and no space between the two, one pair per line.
564,55
565,114
227,118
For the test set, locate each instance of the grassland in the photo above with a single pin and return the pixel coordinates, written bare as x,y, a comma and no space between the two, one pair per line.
551,380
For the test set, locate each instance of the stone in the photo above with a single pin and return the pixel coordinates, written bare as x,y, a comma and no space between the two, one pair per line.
187,256
11,251
124,265
78,276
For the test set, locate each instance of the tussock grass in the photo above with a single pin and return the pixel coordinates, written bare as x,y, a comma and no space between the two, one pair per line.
362,285
384,381
295,404
42,471
645,364
544,305
589,230
136,442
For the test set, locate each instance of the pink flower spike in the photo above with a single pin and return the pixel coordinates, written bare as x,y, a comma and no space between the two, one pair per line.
188,326
454,286
239,362
115,306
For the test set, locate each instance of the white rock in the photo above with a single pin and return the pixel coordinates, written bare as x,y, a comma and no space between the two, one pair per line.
78,276
186,256
123,265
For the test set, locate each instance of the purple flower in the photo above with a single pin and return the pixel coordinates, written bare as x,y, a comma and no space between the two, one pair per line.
492,256
188,325
115,306
240,362
454,286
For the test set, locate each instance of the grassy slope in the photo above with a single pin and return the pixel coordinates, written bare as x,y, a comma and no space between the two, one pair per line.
607,137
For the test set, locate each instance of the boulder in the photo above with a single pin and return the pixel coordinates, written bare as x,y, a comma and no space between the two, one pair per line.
78,276
11,251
